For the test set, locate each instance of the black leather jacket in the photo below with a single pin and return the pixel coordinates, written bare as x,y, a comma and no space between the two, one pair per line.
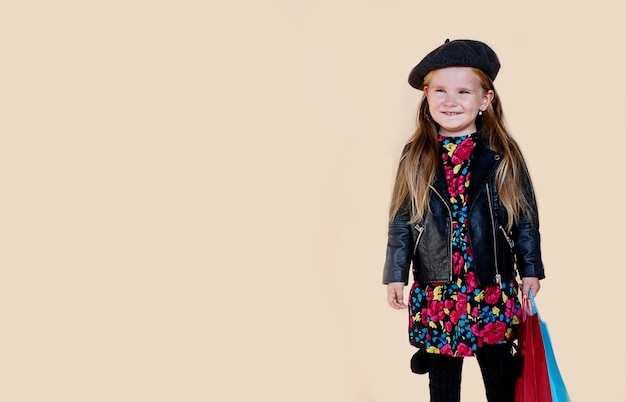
496,252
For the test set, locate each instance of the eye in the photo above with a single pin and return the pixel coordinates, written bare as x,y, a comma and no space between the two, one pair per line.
464,92
440,90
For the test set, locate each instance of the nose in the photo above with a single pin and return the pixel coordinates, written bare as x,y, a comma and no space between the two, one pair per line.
450,100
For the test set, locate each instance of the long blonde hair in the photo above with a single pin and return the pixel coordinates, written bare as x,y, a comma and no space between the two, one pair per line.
419,161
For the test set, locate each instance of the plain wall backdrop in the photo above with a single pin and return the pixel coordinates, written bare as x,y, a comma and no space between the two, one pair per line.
194,193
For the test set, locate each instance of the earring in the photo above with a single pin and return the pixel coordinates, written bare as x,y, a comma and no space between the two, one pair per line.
480,112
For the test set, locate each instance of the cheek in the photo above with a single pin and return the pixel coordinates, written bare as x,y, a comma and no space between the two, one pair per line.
473,104
431,106
433,100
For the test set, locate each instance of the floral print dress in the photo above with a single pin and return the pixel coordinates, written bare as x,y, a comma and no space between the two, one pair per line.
456,318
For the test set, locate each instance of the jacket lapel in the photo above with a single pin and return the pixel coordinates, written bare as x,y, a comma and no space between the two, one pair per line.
440,184
483,167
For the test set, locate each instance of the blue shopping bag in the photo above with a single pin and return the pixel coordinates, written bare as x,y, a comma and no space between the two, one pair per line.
557,385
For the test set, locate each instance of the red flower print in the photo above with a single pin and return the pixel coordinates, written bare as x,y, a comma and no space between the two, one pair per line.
492,294
494,332
455,316
435,310
446,350
424,317
461,303
510,308
457,262
476,330
449,173
449,326
462,151
461,187
435,305
461,297
456,186
463,350
472,283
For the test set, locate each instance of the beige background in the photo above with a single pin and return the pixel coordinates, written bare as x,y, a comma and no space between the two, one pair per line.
194,193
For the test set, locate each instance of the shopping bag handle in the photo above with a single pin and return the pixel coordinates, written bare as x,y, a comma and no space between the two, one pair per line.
529,307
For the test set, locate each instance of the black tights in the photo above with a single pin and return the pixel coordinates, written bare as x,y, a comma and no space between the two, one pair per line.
445,375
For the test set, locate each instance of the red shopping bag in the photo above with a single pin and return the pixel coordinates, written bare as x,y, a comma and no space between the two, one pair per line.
534,383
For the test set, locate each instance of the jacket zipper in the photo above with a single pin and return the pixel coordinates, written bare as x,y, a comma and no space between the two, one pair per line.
511,246
451,229
506,236
420,230
498,277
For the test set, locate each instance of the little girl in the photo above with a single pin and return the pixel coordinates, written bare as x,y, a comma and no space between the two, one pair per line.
464,219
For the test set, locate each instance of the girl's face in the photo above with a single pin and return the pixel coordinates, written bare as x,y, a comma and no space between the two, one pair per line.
455,96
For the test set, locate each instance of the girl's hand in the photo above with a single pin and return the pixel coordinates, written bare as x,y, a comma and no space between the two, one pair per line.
395,296
530,284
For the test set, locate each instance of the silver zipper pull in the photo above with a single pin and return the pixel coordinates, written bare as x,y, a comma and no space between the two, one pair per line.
499,279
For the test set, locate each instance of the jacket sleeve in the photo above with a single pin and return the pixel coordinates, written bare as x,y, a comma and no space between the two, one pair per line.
528,251
528,239
399,251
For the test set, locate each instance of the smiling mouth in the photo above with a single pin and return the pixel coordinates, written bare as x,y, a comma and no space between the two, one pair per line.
451,113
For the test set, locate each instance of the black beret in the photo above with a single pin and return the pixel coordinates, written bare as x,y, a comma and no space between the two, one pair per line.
456,53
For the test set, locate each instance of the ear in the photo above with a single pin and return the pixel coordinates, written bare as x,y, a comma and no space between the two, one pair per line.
425,90
486,101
